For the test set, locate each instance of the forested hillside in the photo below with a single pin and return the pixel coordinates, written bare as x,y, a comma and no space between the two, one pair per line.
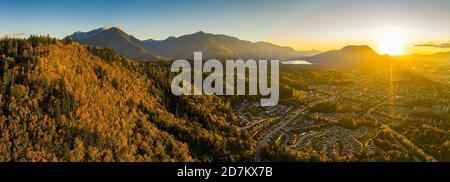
61,101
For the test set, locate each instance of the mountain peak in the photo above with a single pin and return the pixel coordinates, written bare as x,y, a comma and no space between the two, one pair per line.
358,48
116,39
171,38
109,27
114,29
200,32
349,57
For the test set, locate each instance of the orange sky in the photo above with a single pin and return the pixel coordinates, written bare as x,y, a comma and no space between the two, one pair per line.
340,23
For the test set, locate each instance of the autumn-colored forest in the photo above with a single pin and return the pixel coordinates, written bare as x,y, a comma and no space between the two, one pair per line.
61,101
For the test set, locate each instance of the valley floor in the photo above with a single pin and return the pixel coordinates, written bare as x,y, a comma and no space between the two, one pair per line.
369,120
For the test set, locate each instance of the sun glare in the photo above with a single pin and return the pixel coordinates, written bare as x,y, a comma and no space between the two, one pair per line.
390,41
390,45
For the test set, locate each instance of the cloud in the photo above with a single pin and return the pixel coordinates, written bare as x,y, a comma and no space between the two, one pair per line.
437,45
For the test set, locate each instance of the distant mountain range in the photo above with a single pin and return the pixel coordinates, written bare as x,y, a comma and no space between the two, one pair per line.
440,56
213,46
222,47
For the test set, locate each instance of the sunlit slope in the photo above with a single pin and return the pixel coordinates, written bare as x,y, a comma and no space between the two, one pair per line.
61,101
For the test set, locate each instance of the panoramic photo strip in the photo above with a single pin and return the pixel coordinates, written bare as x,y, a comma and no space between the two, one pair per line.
224,89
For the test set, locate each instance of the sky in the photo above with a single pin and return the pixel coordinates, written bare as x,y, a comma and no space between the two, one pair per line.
419,26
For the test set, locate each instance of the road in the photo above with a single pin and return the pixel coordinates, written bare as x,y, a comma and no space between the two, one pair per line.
283,125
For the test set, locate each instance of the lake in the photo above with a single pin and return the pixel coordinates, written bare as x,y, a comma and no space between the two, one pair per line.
295,62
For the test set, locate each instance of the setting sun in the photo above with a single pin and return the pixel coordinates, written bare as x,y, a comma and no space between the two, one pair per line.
391,45
390,42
